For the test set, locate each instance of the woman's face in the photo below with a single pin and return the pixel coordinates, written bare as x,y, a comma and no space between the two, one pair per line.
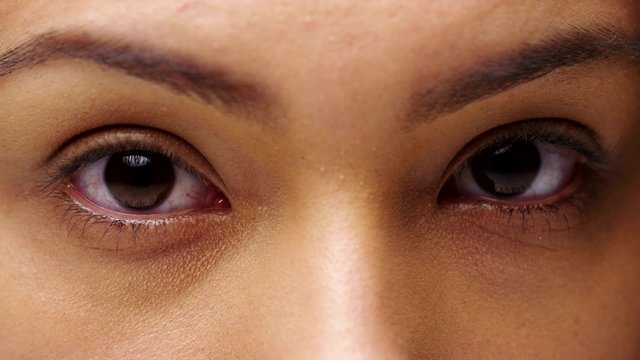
299,179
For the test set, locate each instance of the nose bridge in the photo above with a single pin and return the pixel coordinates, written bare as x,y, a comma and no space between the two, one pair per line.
338,252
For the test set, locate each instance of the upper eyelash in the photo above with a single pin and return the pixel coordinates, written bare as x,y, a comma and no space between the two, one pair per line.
62,169
580,139
548,136
532,130
78,218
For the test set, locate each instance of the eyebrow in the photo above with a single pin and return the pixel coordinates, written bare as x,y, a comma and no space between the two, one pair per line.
214,86
572,47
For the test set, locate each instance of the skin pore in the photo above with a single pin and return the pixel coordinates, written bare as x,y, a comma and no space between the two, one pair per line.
332,130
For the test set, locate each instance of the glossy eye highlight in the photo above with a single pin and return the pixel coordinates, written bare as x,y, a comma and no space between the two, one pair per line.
529,163
136,189
518,170
528,181
142,182
136,174
139,180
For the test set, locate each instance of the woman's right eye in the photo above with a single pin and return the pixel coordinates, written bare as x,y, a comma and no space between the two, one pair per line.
143,183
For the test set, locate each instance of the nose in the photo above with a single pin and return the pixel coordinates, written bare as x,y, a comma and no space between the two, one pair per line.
330,280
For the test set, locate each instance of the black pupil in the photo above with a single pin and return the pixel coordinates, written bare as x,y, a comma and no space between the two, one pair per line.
507,170
139,180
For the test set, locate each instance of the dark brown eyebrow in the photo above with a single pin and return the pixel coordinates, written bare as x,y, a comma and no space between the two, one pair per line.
567,48
214,86
575,46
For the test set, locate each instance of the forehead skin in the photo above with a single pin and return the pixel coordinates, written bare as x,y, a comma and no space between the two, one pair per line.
316,56
342,72
332,46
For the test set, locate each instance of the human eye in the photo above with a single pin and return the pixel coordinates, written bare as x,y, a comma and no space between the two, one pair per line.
141,183
136,179
544,172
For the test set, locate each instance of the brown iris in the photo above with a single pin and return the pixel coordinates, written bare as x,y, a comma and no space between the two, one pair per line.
139,180
508,169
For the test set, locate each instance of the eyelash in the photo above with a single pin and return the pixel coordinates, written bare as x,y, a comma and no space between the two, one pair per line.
593,170
79,218
64,168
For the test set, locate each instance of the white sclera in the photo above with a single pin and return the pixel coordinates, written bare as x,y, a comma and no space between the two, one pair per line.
557,168
189,191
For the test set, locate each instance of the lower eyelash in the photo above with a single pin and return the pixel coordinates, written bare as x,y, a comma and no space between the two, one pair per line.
547,226
105,233
78,220
525,215
551,213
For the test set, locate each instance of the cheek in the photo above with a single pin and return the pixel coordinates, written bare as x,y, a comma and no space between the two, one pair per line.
91,305
610,303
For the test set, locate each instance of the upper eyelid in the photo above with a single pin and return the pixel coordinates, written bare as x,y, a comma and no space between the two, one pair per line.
569,46
552,131
97,134
533,130
99,143
552,138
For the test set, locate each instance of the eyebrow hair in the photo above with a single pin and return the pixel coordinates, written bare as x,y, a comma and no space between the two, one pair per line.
214,86
532,61
567,48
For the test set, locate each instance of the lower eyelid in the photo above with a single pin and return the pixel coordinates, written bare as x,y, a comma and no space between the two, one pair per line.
555,225
89,223
545,226
78,200
189,192
140,236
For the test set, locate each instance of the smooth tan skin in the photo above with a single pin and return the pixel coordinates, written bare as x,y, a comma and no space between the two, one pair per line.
331,252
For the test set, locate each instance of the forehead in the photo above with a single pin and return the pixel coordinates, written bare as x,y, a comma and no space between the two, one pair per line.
340,44
340,22
335,31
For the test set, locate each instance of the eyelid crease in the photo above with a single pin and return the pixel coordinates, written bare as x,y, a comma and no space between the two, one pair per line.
569,46
102,142
560,132
549,137
131,236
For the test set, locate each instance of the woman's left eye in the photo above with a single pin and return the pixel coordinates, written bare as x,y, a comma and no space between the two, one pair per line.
143,183
518,171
